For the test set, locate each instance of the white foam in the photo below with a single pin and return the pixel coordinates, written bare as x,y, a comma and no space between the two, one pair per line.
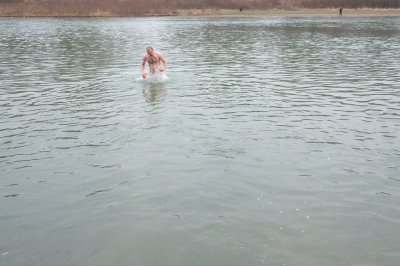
157,78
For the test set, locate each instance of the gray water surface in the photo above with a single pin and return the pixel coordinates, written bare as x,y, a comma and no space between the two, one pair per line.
274,141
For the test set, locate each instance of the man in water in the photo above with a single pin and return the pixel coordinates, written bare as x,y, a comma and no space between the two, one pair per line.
153,59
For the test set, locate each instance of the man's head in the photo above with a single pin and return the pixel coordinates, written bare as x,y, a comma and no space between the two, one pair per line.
149,50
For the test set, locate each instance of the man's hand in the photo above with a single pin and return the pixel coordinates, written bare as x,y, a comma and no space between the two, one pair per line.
144,75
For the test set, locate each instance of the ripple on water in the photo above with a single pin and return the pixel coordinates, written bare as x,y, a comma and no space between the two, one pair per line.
272,137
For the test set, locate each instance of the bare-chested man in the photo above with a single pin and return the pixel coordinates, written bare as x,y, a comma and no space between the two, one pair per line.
153,59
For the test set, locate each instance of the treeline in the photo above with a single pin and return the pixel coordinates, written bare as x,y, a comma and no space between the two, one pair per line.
167,7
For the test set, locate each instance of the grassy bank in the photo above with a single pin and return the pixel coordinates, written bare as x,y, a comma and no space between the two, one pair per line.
285,12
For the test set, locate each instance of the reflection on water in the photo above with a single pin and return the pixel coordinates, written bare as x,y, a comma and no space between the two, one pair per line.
154,91
154,87
274,142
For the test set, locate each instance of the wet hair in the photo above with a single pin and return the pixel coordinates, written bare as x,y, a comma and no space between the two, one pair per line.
149,47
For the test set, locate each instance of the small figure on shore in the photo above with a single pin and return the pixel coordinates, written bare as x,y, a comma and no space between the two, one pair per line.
153,60
340,11
241,9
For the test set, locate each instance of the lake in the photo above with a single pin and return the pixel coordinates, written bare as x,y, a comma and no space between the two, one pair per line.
274,141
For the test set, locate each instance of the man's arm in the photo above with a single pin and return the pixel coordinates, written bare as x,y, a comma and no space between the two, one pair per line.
144,74
165,62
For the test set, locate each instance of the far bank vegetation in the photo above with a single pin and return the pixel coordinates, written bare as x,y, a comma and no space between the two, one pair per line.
168,7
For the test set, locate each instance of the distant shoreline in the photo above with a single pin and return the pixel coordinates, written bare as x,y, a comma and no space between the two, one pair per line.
292,13
230,12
